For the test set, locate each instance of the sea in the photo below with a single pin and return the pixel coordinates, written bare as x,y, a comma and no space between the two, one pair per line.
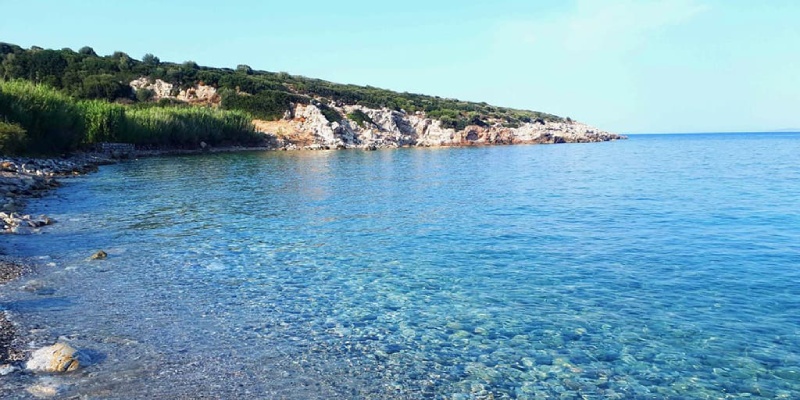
658,267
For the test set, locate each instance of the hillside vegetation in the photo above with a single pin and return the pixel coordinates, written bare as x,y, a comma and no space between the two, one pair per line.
78,98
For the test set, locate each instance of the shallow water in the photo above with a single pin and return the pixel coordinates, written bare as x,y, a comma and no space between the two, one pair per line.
665,266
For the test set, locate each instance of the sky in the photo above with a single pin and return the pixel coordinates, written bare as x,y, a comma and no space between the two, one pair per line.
625,66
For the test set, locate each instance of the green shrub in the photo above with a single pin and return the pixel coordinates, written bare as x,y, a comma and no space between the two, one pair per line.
53,121
268,105
360,118
12,138
145,95
104,86
330,114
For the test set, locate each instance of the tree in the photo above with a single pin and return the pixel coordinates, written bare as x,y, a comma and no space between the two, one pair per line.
11,69
87,51
125,63
150,59
244,69
104,86
47,66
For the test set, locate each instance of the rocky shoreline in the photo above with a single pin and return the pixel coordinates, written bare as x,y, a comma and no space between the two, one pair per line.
21,179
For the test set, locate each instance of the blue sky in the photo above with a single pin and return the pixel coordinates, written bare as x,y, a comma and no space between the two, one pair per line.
626,66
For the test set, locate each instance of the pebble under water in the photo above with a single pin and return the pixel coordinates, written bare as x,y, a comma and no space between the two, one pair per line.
664,266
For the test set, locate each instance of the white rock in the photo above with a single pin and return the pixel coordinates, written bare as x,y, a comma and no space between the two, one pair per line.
59,357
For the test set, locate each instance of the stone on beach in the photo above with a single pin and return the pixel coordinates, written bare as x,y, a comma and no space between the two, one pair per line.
15,223
59,357
45,389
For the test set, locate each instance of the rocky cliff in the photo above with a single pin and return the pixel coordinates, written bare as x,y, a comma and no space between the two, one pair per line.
305,126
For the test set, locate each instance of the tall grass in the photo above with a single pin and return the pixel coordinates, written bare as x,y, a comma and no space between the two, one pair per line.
184,126
57,123
103,121
53,121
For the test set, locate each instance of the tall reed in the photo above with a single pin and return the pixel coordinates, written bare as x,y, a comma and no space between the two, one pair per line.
53,122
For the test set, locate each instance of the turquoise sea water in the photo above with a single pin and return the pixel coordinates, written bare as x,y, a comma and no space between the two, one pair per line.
664,266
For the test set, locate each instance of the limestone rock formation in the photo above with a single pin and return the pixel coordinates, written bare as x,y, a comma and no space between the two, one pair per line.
164,90
305,126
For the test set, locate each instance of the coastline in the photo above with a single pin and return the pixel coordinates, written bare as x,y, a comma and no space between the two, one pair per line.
21,179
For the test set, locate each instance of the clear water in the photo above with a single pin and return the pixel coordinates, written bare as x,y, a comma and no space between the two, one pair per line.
659,267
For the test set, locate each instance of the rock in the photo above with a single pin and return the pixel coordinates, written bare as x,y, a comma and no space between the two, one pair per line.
100,255
59,357
163,90
8,166
32,285
14,223
6,369
307,127
42,220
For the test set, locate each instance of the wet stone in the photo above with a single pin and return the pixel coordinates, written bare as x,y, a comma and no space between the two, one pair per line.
59,357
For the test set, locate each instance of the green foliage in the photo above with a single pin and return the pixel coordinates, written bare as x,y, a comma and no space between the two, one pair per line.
330,114
12,138
87,51
104,86
52,119
144,95
103,121
188,126
150,59
245,69
47,121
360,118
268,104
